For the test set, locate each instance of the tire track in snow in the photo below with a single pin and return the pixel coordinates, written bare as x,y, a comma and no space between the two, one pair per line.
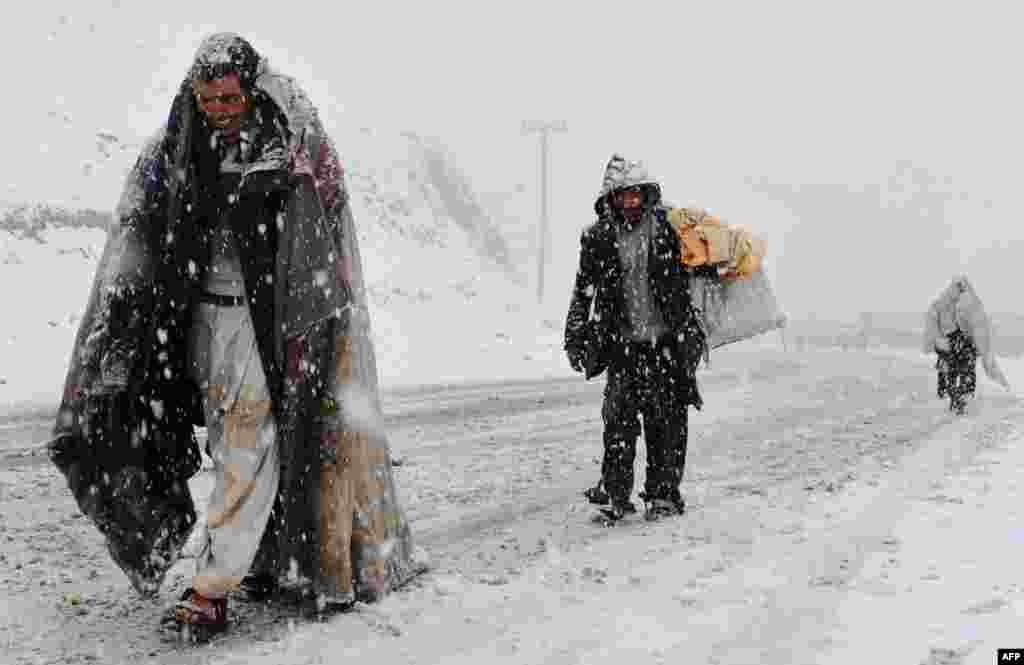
785,618
491,485
746,423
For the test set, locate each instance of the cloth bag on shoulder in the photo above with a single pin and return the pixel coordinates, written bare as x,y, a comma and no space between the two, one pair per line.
736,300
734,310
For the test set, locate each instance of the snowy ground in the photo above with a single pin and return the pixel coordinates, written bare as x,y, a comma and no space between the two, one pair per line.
838,514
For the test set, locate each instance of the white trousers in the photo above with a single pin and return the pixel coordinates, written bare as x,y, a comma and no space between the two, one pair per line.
242,442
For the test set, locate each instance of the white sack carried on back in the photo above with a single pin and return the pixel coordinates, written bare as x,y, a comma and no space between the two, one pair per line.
735,310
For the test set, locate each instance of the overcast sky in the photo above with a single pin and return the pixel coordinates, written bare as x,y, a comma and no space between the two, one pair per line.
800,120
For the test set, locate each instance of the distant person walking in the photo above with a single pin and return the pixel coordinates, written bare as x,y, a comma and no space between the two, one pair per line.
958,331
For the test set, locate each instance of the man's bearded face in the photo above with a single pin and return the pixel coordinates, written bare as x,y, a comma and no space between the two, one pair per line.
630,203
224,105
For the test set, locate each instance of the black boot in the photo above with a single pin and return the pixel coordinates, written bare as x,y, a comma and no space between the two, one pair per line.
259,586
618,509
596,495
658,508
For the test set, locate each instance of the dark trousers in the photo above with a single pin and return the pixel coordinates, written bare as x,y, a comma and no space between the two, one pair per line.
643,383
957,370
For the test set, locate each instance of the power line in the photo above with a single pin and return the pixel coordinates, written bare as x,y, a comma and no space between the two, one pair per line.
544,129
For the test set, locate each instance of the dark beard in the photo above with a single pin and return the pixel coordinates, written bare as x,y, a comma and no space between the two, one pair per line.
632,215
628,218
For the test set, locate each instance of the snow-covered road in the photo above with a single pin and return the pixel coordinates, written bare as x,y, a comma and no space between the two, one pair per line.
806,471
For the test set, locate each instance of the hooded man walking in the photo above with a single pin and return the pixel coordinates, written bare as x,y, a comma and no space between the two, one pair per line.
631,315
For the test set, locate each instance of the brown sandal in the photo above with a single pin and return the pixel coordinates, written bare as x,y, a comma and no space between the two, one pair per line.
200,615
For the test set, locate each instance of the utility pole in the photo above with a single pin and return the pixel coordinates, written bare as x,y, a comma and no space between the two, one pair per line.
545,129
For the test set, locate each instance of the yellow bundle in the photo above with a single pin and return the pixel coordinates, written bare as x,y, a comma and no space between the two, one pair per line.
706,240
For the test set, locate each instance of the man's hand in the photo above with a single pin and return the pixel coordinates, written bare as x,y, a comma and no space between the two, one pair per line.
577,358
